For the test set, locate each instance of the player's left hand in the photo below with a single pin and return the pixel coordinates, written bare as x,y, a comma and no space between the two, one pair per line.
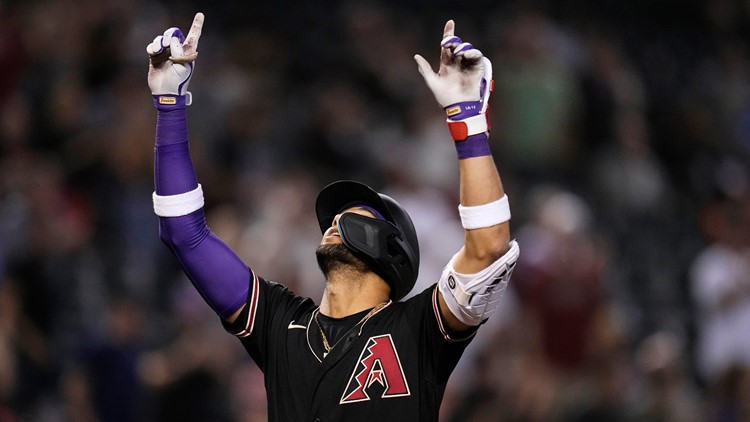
171,60
463,69
463,83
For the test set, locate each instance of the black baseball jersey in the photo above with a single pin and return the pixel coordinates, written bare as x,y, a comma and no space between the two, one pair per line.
393,366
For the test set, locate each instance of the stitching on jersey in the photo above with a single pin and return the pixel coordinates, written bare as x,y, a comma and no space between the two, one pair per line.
439,318
250,323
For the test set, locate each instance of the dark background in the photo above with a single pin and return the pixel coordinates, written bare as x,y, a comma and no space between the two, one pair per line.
621,130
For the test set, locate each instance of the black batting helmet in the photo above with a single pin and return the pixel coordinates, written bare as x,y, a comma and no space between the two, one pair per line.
390,245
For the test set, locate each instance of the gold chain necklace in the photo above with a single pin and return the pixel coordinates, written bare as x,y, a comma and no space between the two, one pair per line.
326,345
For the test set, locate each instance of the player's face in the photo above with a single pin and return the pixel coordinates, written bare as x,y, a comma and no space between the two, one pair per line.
336,256
332,236
332,254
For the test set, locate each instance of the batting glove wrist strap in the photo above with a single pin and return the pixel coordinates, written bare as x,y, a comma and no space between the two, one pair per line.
172,102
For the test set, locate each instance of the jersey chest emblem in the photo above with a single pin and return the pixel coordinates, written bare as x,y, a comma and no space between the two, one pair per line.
378,363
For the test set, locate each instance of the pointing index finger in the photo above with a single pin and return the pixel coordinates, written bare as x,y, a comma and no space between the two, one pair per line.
449,28
445,53
191,41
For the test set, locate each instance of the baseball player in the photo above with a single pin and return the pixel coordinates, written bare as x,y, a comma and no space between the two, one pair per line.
360,354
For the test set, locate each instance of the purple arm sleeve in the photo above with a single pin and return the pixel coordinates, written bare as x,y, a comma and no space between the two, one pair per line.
215,270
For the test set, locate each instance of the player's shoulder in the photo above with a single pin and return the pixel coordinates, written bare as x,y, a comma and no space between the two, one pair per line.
416,304
425,295
278,294
268,304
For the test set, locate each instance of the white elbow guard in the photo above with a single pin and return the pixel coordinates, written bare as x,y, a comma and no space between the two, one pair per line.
473,297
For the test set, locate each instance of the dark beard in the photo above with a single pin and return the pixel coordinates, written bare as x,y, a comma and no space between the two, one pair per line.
337,257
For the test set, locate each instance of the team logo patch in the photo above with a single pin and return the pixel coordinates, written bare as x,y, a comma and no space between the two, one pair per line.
378,363
451,282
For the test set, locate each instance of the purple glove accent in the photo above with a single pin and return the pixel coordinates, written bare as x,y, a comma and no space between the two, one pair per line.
190,75
462,110
474,146
462,48
219,275
169,102
450,41
178,33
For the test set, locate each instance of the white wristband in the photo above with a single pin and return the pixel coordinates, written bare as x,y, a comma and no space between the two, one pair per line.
486,215
178,205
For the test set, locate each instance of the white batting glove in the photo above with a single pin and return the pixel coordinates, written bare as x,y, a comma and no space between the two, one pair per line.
171,64
461,86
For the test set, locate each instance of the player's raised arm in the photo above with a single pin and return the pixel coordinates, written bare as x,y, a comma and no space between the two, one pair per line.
216,271
475,278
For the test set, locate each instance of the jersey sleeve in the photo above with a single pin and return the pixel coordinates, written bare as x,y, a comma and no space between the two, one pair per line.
441,347
269,309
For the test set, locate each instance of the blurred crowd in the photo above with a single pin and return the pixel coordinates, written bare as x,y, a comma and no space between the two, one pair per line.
621,129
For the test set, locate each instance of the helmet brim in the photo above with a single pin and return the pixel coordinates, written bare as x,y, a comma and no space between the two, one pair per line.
343,194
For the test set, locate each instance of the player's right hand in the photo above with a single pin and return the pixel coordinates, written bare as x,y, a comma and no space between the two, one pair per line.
171,63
